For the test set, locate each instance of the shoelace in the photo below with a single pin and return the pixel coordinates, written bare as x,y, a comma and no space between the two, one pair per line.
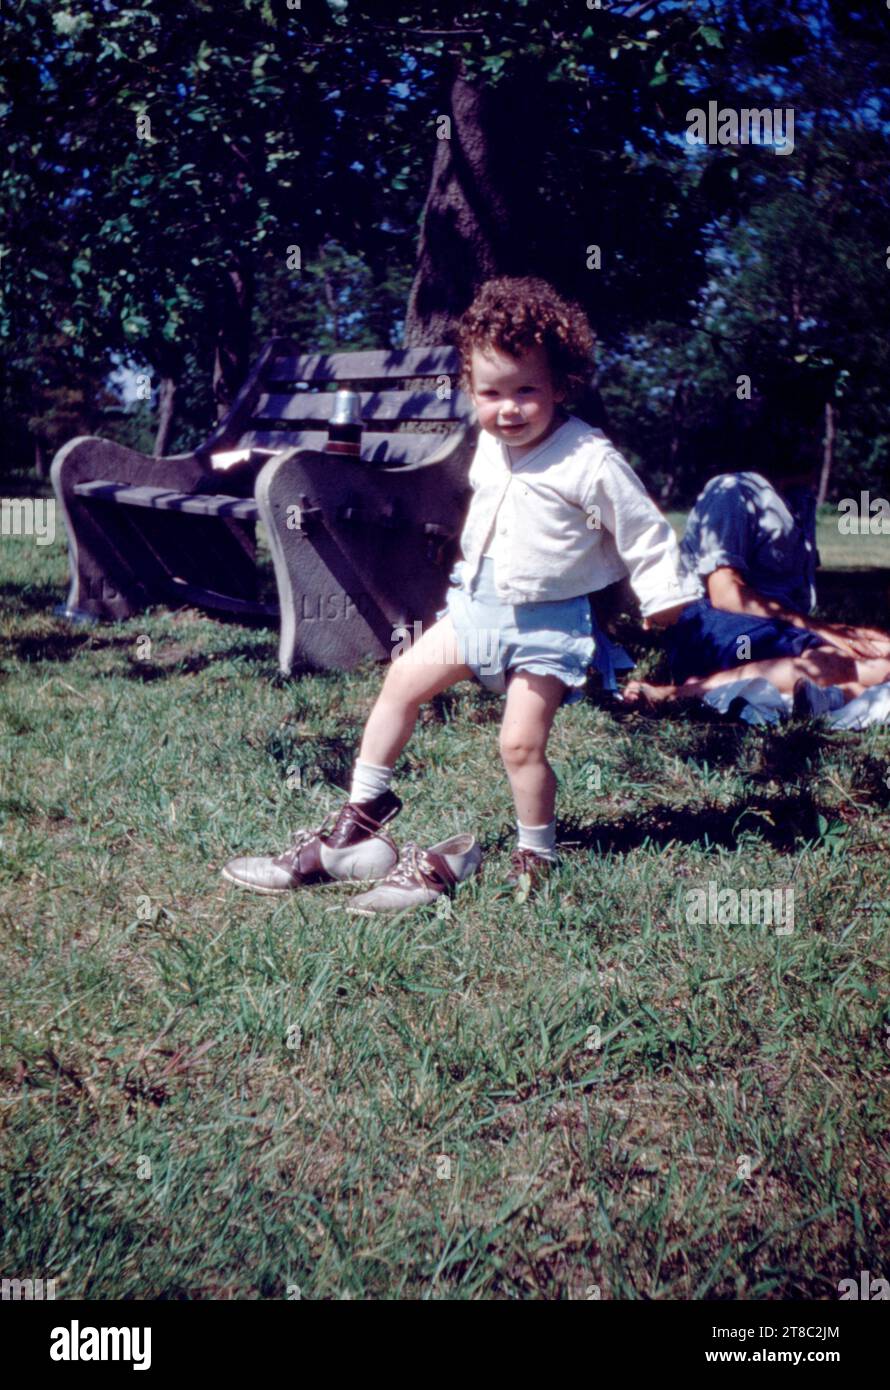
304,833
412,865
527,859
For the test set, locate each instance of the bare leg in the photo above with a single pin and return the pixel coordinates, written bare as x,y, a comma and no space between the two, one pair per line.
431,665
532,702
822,665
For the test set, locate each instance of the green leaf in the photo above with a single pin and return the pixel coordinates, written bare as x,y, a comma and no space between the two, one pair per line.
711,36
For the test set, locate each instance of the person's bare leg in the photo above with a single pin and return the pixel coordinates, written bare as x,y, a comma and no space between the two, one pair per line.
531,704
822,665
868,673
431,665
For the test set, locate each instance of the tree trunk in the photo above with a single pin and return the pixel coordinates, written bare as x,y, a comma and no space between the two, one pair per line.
40,467
232,355
827,452
485,213
166,413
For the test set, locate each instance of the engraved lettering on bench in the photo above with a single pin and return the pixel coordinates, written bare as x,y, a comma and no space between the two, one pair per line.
328,608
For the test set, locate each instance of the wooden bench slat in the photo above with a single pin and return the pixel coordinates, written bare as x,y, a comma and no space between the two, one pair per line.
264,438
364,366
388,450
182,592
195,503
376,405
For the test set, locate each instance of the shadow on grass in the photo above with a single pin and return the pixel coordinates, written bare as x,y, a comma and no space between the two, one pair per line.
325,759
855,590
35,598
783,822
183,662
67,640
49,646
784,753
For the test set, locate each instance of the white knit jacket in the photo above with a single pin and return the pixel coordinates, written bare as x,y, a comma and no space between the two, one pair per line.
571,517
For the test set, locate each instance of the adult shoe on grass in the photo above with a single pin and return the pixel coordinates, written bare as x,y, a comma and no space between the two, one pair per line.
353,850
421,876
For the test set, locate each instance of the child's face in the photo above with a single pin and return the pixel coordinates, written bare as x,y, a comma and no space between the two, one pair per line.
514,397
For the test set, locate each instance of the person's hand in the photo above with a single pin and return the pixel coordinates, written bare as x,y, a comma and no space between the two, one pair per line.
855,642
666,618
874,634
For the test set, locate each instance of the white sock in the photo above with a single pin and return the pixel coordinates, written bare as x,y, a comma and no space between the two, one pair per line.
540,838
368,781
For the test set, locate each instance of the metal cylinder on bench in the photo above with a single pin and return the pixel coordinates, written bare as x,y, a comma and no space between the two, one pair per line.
345,426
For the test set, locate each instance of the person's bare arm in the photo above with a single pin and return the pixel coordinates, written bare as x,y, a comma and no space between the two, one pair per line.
728,590
666,617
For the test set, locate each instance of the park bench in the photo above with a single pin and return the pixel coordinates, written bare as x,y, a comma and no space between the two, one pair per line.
360,546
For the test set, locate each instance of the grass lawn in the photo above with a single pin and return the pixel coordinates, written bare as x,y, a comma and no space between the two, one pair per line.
212,1094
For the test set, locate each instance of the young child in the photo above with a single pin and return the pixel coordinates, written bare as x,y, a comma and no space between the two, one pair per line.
555,514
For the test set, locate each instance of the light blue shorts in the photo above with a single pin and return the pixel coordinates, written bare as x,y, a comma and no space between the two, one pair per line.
552,638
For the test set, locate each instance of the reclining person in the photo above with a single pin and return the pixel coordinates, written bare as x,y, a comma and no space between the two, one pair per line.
751,539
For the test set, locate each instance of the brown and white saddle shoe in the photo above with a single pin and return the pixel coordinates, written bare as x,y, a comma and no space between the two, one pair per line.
526,861
354,850
421,876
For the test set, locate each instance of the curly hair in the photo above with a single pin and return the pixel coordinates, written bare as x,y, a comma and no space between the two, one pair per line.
513,314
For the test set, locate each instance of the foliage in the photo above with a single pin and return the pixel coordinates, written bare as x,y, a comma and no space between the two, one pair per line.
273,127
